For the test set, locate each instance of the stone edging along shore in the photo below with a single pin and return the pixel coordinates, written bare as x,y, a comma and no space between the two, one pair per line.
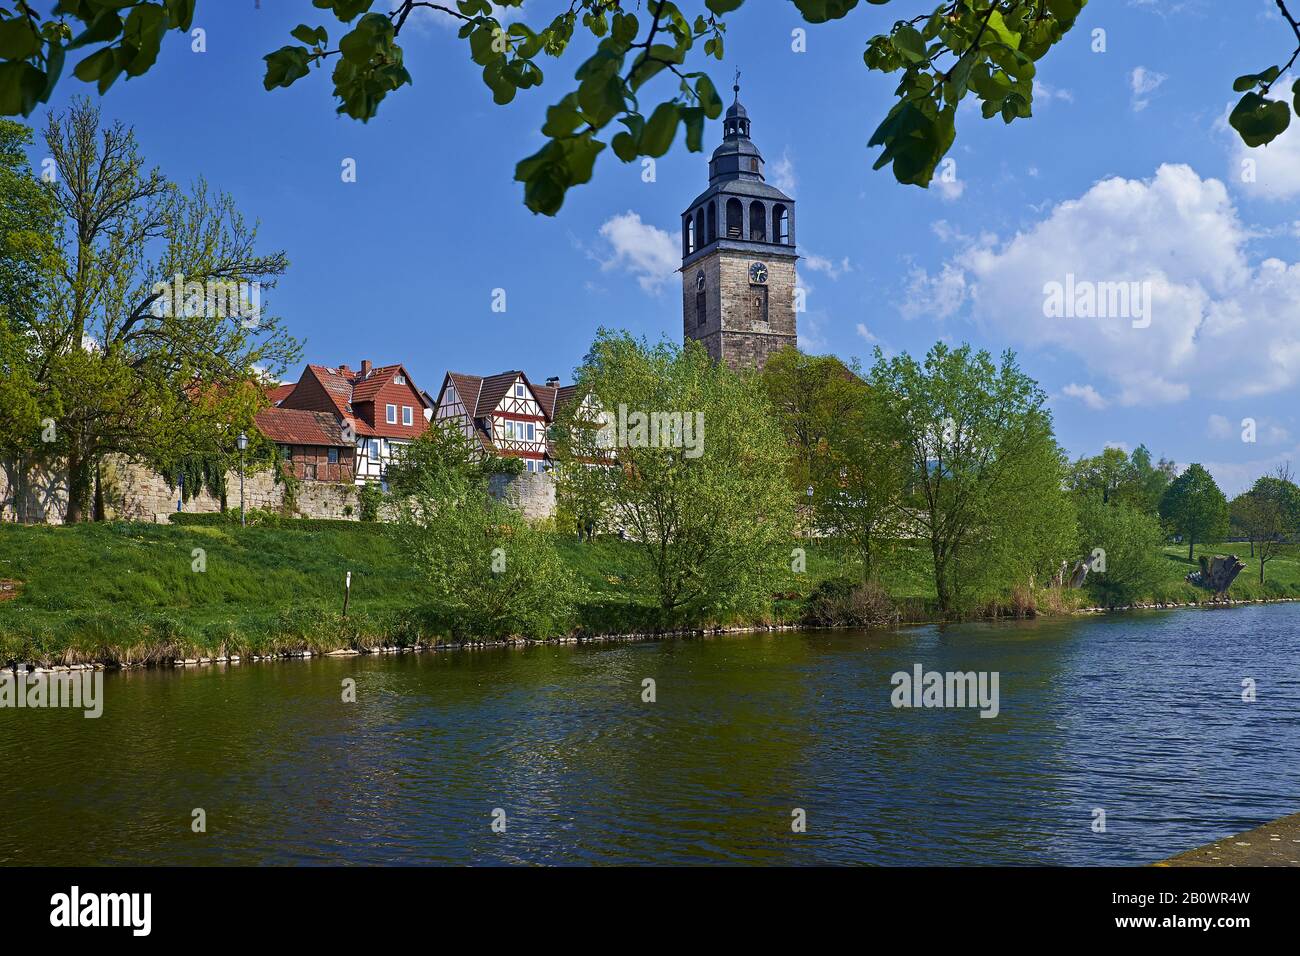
592,639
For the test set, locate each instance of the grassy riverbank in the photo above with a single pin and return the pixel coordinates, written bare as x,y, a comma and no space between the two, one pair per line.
129,593
126,592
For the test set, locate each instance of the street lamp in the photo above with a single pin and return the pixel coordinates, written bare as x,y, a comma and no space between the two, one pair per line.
242,442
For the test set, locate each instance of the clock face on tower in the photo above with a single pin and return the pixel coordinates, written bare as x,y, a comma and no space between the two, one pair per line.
758,274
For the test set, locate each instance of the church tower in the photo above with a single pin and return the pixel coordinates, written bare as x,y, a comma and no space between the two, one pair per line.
738,255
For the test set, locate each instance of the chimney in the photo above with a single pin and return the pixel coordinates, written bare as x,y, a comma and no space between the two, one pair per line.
365,368
553,382
344,370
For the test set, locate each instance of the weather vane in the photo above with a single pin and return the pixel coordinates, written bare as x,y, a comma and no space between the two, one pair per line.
737,86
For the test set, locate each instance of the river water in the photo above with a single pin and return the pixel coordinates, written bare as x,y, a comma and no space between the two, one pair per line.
1139,715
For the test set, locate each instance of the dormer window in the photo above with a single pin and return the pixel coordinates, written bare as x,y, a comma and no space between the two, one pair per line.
399,379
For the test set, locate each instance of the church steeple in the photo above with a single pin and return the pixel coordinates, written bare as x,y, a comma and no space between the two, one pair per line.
738,253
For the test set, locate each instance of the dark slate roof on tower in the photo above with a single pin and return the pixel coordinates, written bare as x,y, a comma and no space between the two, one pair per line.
736,167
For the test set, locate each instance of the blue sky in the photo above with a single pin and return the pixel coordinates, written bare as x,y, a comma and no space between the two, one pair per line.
1126,172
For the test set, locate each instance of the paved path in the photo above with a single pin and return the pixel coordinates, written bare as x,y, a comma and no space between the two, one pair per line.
1273,844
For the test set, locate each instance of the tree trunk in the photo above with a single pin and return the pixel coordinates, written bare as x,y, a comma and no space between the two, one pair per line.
1191,548
99,512
78,487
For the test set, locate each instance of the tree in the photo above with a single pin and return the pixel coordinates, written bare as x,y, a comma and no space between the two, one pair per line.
28,221
152,339
580,459
1269,514
818,400
1101,476
709,511
1195,508
988,48
492,573
1144,484
1125,543
988,474
860,476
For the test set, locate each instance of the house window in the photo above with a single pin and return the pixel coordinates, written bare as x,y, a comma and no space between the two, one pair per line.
375,444
532,432
406,415
391,411
399,379
332,456
510,429
519,390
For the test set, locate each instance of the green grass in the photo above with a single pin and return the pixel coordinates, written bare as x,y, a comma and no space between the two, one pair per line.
1281,575
126,592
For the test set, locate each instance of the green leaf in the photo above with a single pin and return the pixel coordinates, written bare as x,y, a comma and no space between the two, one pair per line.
660,130
21,85
284,66
1251,80
345,10
142,37
312,36
1259,121
18,40
909,43
820,11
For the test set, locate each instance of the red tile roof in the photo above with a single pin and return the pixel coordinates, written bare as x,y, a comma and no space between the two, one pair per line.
278,393
294,426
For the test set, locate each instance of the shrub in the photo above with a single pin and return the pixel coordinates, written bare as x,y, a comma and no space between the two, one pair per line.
369,499
839,602
1131,540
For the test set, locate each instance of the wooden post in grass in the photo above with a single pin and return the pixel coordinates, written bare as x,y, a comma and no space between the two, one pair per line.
347,593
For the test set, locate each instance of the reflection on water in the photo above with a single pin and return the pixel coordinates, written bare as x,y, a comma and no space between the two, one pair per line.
1138,715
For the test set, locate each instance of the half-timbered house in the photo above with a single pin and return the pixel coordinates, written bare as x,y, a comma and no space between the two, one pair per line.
504,414
380,408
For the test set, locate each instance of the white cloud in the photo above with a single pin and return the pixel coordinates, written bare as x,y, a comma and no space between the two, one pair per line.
1086,394
783,174
646,251
1143,83
828,266
949,189
1217,320
936,296
1044,94
1267,172
1218,427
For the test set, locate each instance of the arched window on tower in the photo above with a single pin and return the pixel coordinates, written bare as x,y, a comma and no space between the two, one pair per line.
780,224
713,223
700,234
757,222
688,236
735,219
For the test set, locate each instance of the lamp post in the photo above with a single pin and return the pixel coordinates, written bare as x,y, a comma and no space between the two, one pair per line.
242,442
